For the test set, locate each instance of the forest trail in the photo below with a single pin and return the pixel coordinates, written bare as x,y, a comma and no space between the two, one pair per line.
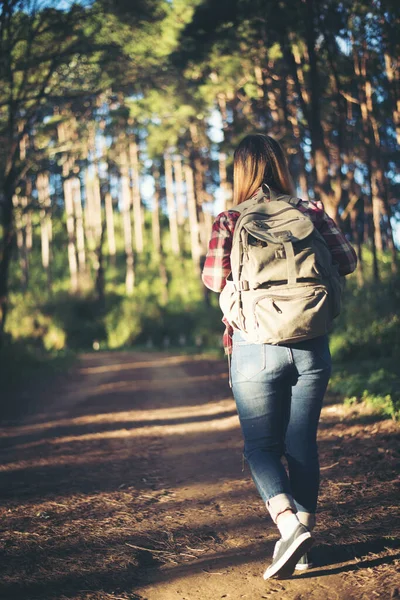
124,481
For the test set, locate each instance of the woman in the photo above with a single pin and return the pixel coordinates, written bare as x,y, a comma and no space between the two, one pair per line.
278,389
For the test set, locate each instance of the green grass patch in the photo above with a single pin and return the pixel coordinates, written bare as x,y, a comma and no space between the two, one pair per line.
377,383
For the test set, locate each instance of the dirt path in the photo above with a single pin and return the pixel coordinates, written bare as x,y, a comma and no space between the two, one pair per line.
125,482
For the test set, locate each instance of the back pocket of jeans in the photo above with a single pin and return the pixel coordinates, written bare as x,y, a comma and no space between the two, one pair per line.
249,359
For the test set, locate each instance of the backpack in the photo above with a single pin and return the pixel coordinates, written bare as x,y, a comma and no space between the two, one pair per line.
283,286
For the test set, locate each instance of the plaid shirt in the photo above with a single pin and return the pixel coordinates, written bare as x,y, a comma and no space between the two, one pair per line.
217,265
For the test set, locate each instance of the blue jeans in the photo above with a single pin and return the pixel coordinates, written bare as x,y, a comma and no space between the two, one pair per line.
279,392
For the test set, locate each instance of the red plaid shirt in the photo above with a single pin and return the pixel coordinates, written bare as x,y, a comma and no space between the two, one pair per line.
217,265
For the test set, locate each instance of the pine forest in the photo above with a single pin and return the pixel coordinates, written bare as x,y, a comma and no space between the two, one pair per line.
118,122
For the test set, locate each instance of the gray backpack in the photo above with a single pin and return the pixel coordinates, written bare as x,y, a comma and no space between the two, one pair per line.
283,286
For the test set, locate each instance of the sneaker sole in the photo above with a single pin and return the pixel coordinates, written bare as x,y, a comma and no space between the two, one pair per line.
286,564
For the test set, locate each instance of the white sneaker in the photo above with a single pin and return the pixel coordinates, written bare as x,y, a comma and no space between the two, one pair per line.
287,553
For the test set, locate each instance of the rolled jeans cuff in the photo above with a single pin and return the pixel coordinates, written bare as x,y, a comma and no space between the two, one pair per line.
278,504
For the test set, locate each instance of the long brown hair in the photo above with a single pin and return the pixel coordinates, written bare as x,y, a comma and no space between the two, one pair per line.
259,159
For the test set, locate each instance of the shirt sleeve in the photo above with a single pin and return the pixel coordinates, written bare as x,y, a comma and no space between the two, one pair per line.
343,253
217,265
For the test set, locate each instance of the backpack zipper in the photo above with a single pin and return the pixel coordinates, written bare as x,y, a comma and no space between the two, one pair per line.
276,307
285,298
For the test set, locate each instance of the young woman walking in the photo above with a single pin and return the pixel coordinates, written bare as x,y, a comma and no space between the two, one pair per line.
278,389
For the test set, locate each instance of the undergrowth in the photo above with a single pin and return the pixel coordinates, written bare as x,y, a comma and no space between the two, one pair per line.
365,343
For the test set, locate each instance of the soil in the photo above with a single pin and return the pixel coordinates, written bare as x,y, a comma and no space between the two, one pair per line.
124,481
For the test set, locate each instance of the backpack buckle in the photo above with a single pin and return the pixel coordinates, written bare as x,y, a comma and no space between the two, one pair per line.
283,236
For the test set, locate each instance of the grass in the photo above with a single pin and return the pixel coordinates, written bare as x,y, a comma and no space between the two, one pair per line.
46,329
376,383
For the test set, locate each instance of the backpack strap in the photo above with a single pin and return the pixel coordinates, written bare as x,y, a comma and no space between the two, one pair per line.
290,262
266,192
247,206
285,197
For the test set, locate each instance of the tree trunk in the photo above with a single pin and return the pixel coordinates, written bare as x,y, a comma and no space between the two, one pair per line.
20,237
99,280
193,220
389,233
198,179
89,211
380,188
360,263
292,118
392,73
127,225
226,187
26,222
180,198
137,203
208,223
173,225
109,209
158,251
320,155
69,211
43,188
97,217
80,232
360,68
376,210
336,154
26,201
7,245
19,234
155,221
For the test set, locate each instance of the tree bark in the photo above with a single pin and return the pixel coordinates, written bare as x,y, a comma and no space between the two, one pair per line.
99,280
97,217
155,221
193,220
27,233
291,112
69,211
180,198
127,225
7,246
173,224
89,210
392,73
226,187
43,188
198,170
80,232
26,201
322,187
20,229
137,203
158,251
109,209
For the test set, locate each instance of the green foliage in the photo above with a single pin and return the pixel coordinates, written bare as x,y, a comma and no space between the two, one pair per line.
60,320
364,382
365,344
125,321
369,326
29,324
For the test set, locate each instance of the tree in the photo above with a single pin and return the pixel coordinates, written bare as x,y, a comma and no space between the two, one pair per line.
48,56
